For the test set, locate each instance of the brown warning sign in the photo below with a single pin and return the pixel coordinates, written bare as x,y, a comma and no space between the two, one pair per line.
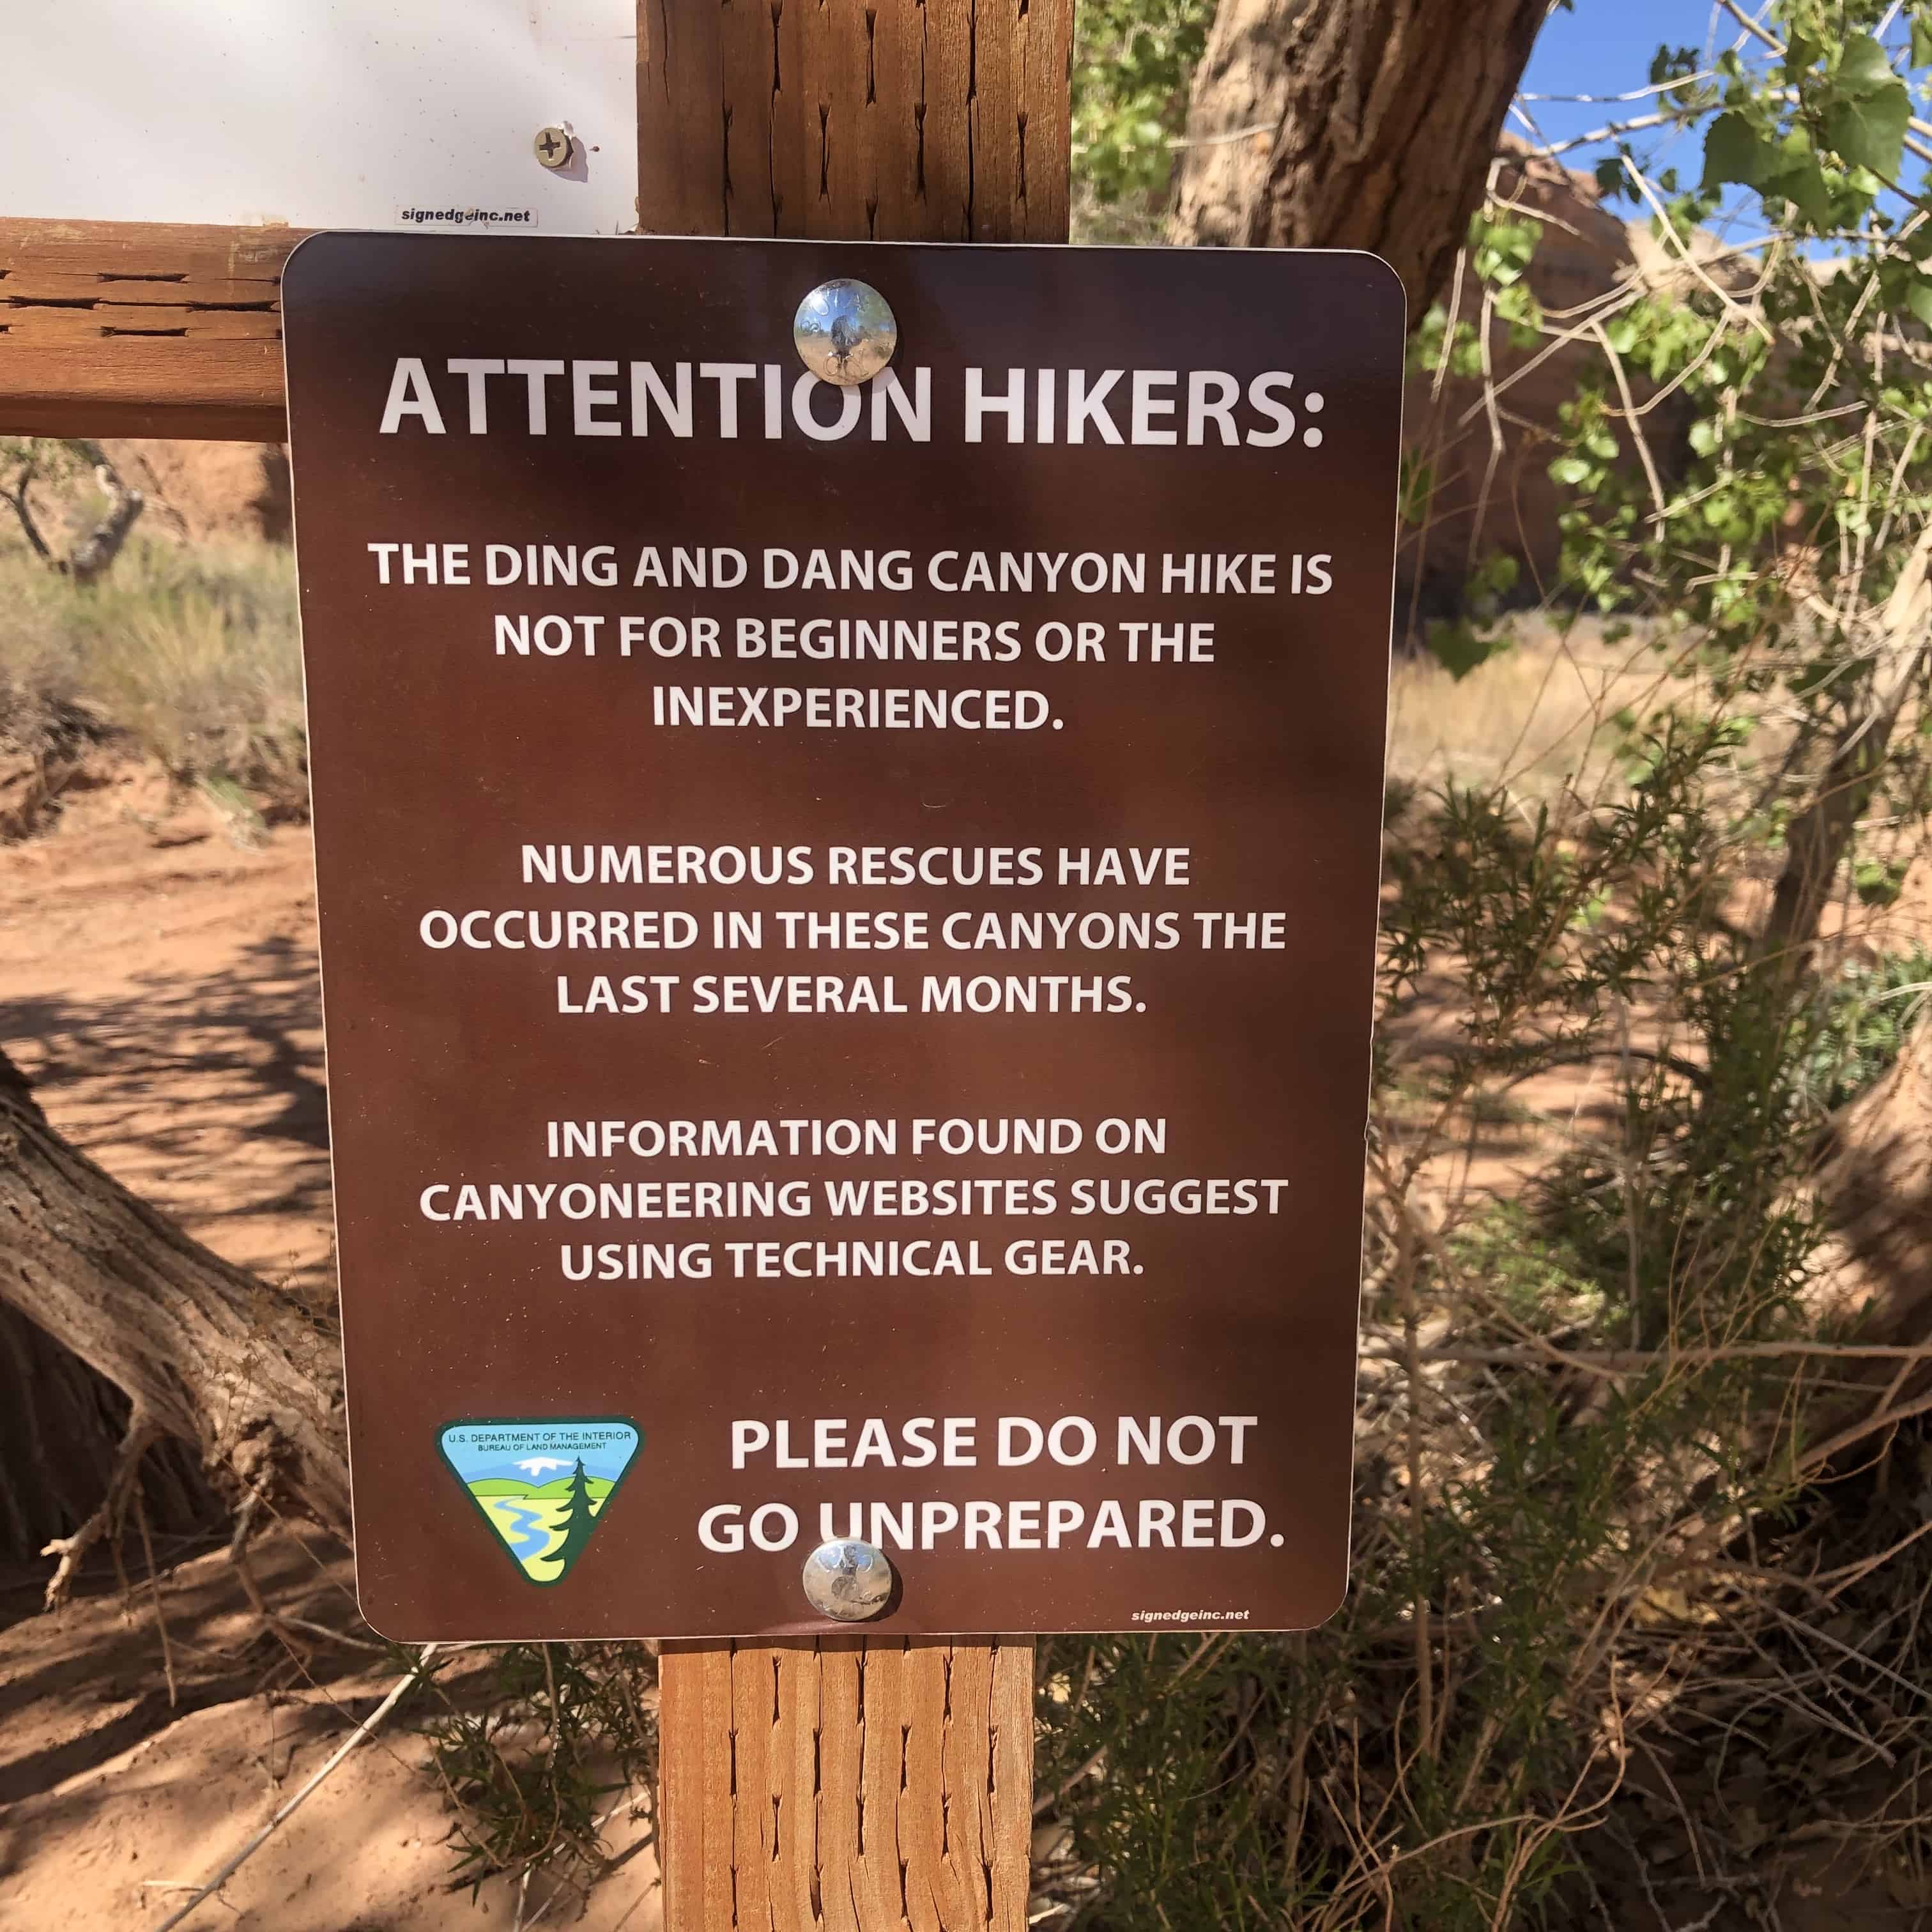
847,917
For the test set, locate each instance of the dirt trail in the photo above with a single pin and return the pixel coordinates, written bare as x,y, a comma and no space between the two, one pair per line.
158,984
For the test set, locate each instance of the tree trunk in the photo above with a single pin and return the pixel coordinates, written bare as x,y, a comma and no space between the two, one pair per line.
206,1354
61,1426
1351,124
1877,1184
1820,835
1878,1187
94,554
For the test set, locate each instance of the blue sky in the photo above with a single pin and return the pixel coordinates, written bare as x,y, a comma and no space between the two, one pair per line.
1605,47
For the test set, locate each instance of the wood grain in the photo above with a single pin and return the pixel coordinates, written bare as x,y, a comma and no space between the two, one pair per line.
847,1786
850,1784
141,329
104,319
942,121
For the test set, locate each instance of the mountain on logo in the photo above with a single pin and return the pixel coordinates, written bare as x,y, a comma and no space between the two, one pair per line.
542,1484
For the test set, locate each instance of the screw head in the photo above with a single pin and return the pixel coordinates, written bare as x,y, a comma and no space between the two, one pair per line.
847,1579
553,148
845,332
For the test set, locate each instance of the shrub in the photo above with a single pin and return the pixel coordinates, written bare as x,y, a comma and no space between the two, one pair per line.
191,653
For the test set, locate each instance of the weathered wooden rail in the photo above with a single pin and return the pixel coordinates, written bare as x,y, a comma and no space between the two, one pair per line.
142,328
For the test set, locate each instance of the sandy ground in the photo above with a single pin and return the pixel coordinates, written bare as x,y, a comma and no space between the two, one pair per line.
158,984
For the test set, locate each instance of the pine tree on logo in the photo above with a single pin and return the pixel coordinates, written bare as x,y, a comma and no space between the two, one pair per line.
542,1532
577,1520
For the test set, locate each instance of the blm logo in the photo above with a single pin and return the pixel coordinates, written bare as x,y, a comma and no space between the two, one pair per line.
543,1484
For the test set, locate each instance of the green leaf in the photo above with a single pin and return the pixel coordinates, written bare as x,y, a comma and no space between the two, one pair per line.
1707,436
1865,69
1870,132
1918,299
1495,576
1793,173
1875,883
1921,44
1620,332
1734,151
1801,55
1573,472
1459,649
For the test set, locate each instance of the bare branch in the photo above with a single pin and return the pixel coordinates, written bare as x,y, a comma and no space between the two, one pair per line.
106,1521
17,496
95,555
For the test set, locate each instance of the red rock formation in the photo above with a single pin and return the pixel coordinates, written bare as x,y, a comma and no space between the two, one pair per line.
204,490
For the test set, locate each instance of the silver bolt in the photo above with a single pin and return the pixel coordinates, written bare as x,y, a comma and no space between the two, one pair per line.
554,147
849,1580
845,332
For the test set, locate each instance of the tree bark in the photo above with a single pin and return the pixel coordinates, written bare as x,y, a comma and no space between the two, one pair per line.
1820,835
1351,124
94,554
61,1426
239,1370
1878,1188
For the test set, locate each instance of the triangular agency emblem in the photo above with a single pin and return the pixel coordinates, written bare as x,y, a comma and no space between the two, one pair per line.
543,1484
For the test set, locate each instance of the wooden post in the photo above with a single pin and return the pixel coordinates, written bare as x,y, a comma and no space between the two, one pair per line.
856,1785
860,1786
854,120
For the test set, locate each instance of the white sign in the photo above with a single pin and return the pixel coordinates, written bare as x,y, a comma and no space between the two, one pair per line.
321,113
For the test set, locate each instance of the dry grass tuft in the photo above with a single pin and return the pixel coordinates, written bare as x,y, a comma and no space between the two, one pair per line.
1532,717
193,655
